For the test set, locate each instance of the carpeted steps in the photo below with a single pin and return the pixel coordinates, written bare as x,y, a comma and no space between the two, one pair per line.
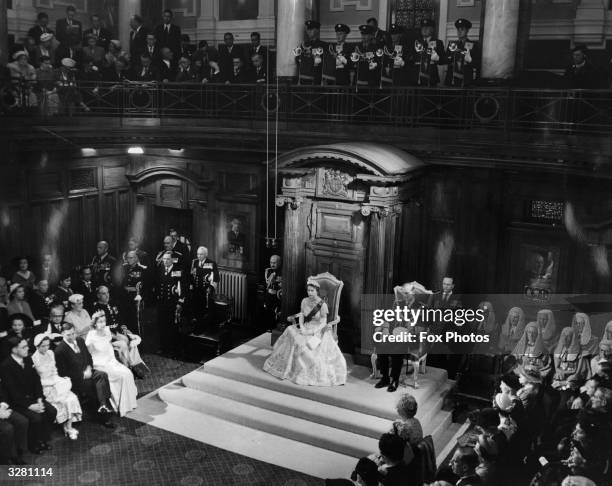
279,422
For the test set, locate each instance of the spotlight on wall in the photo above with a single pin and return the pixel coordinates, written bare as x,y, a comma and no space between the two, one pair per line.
135,151
88,151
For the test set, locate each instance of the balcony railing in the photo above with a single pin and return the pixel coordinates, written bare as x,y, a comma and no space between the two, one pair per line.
554,111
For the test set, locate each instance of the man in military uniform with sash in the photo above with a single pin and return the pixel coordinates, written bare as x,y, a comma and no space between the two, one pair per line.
204,278
170,293
368,64
310,56
272,298
463,57
102,264
337,60
427,54
135,284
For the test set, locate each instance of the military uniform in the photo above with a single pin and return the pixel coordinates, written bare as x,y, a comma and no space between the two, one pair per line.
178,258
310,64
426,55
396,65
101,268
272,297
201,289
134,283
369,66
337,62
462,72
170,288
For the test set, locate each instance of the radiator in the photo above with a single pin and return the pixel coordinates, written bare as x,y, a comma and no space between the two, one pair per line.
234,285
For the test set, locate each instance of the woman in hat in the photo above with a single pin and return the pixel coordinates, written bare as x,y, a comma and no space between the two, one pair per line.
530,352
512,330
120,378
23,76
67,89
307,353
57,389
78,316
408,427
18,304
581,323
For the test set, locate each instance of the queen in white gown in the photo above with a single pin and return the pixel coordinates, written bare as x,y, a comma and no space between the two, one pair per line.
308,354
121,380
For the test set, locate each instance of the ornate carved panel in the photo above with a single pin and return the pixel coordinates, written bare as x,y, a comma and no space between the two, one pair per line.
333,183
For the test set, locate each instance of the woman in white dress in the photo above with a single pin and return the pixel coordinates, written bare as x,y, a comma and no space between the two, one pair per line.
120,378
78,316
57,389
307,354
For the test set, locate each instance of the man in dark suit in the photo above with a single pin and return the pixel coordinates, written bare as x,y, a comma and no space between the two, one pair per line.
167,68
102,35
68,30
71,50
169,290
381,36
91,386
138,38
153,49
178,245
24,392
582,74
145,71
42,27
464,463
397,473
257,74
227,53
13,433
257,48
86,288
168,34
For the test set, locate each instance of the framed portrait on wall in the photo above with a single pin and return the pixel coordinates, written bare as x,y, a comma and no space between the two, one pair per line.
236,236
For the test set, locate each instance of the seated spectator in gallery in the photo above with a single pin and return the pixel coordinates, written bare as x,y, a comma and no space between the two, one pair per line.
152,48
17,303
120,378
114,52
44,49
92,52
167,68
237,74
46,90
78,316
408,427
257,73
185,73
146,71
74,361
207,72
582,74
206,52
20,69
228,51
71,50
117,72
13,433
41,27
24,392
102,35
57,389
41,300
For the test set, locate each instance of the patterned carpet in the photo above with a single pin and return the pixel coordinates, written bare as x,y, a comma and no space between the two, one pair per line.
138,454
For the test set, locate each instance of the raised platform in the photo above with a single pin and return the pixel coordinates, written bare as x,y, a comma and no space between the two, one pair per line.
231,403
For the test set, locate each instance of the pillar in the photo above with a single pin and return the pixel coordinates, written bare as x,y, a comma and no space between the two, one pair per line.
3,32
127,8
294,256
290,19
499,41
